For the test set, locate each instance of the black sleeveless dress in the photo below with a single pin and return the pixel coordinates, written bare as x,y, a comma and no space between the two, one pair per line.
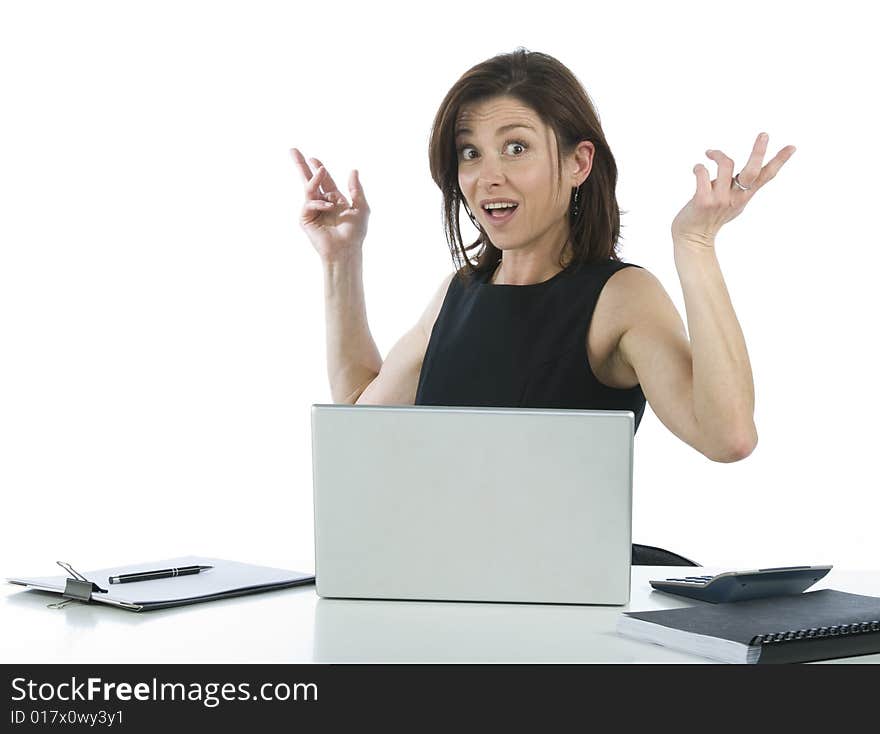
525,346
521,346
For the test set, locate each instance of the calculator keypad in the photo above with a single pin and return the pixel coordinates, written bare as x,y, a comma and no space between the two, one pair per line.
732,586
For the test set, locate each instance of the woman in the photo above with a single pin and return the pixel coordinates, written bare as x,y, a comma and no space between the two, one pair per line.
546,315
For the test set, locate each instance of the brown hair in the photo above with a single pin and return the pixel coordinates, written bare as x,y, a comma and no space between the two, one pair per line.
555,94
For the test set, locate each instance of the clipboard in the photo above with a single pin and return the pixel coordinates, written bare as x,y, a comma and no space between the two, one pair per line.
226,579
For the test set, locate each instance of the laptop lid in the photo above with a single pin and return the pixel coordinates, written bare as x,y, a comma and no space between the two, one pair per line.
472,504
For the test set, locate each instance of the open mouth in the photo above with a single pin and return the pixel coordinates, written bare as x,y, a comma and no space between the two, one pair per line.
499,216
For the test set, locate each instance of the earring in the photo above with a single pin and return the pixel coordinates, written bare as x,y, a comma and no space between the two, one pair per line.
574,205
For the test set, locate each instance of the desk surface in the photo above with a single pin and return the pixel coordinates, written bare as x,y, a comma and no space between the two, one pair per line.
296,626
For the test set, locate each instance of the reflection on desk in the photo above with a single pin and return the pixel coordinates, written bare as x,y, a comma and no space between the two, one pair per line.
294,625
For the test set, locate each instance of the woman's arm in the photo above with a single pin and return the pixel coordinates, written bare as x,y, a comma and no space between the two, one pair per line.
723,388
353,360
701,388
669,366
398,378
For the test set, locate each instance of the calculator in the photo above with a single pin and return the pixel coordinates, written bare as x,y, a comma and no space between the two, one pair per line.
742,585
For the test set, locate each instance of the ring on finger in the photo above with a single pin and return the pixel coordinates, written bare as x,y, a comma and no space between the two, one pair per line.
739,185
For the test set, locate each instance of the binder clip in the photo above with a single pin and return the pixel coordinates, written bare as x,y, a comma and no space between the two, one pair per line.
78,588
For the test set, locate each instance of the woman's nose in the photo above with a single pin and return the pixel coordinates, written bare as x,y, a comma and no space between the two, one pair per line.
491,173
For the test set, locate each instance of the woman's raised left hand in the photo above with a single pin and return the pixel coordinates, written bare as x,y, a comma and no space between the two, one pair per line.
717,202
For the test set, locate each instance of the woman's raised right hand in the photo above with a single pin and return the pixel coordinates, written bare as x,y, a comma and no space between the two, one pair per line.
336,228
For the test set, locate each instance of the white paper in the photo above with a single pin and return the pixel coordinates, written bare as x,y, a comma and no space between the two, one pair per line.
224,577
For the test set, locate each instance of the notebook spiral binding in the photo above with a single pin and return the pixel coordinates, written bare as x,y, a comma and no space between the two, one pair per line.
856,628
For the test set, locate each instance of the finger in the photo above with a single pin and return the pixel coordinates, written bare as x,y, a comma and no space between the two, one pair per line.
358,199
704,188
313,186
750,171
313,179
725,169
317,205
304,170
329,185
773,166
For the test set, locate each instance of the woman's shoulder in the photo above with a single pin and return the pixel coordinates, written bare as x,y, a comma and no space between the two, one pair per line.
628,278
621,288
604,271
630,294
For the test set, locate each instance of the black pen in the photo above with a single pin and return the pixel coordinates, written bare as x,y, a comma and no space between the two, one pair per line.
162,573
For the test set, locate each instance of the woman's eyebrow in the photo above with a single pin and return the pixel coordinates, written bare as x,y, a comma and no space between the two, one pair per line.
502,129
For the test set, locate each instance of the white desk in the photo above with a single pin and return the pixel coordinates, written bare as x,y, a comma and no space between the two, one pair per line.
296,626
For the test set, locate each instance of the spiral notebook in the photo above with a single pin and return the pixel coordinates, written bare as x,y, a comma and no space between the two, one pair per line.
796,628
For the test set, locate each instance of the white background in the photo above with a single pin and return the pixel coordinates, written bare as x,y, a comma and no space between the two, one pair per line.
161,312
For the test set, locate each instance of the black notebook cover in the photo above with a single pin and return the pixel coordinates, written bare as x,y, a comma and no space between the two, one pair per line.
816,625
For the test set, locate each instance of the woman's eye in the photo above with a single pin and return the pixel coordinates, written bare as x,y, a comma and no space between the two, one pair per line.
512,143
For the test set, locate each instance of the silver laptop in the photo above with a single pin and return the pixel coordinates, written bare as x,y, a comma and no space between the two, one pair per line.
473,504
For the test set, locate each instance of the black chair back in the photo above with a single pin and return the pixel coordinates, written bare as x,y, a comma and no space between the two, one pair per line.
649,555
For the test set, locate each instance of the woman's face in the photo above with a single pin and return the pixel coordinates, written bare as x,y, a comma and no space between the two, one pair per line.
506,152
